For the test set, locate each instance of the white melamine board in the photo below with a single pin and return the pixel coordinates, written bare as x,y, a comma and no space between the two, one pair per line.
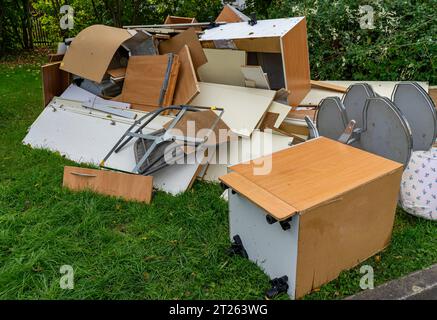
256,73
281,109
74,92
177,178
244,107
245,149
273,249
223,66
243,30
87,138
80,137
383,88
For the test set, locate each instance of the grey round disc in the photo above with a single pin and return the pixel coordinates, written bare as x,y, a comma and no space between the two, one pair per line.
386,131
331,118
419,110
354,101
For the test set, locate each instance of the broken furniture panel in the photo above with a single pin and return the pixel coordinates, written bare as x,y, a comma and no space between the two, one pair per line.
86,136
230,14
324,208
288,37
328,86
92,50
223,67
111,183
189,38
256,74
282,110
187,86
244,149
150,80
244,107
73,92
54,81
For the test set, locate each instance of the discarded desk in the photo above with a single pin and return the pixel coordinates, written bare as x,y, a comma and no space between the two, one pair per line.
324,208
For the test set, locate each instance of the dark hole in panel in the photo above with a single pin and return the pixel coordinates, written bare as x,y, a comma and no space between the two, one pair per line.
271,64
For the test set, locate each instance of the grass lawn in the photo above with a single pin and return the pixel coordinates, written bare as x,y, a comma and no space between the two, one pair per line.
175,248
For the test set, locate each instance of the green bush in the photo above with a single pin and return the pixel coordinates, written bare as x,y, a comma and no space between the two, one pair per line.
401,46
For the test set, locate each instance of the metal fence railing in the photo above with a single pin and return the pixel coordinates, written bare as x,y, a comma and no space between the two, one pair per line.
39,35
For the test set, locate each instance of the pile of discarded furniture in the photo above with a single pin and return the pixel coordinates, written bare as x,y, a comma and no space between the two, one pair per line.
312,169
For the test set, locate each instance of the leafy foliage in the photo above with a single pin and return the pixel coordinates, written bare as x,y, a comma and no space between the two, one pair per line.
401,46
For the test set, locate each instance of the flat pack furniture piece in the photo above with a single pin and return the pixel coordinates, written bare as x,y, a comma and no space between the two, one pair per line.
154,75
231,14
91,51
323,208
127,186
283,38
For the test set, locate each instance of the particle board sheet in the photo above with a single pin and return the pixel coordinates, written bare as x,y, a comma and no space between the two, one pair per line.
73,92
244,107
179,177
367,211
268,121
91,51
230,14
275,206
256,73
189,38
336,168
433,93
244,149
328,86
197,125
281,109
87,138
179,20
145,76
127,186
223,66
295,58
383,88
242,30
187,86
54,81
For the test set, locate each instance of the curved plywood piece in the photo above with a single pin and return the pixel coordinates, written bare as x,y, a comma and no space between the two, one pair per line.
91,51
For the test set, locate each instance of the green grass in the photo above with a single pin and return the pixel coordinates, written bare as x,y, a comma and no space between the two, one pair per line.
175,248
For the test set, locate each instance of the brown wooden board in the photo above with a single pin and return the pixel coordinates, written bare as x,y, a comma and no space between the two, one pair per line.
296,62
55,57
178,20
187,86
54,81
268,121
91,51
433,93
328,86
111,183
201,120
228,15
346,231
144,80
313,173
189,38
